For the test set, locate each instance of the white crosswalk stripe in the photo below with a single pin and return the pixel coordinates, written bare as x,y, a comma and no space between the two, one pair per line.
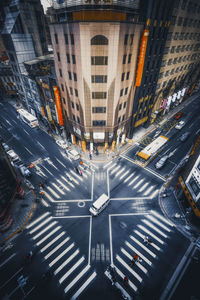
48,235
138,184
154,227
83,287
148,190
154,220
119,172
138,253
52,241
76,175
127,172
133,180
71,184
72,269
44,230
56,248
129,177
58,188
72,178
37,220
128,268
114,170
63,185
40,225
129,282
162,218
66,262
52,192
143,236
150,233
76,279
142,246
143,269
61,255
143,187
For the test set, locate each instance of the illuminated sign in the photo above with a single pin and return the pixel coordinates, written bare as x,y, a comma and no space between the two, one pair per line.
142,57
58,105
164,102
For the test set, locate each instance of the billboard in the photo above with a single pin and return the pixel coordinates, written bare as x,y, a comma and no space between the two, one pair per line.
143,47
58,105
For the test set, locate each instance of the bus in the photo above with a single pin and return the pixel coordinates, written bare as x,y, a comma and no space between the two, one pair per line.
152,149
28,118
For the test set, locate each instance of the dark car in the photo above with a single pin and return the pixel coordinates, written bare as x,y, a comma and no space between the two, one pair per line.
178,115
184,136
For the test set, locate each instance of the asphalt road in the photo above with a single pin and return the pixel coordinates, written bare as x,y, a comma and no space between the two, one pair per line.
77,247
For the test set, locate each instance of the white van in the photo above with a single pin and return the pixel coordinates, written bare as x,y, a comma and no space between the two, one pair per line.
99,204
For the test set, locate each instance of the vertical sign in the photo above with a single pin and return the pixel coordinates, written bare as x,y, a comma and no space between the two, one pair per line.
142,57
58,105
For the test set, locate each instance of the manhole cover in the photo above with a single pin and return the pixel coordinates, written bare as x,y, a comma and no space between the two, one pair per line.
81,204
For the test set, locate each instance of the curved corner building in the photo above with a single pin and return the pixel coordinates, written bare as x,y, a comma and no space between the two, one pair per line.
96,45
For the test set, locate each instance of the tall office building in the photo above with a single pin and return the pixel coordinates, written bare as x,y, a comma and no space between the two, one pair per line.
109,58
24,38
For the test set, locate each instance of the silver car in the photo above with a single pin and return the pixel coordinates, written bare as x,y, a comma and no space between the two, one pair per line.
161,162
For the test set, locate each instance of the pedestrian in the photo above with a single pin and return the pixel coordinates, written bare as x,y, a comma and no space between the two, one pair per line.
76,170
81,173
147,240
126,279
90,155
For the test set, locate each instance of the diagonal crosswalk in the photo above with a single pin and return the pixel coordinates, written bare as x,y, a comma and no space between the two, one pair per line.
148,240
62,255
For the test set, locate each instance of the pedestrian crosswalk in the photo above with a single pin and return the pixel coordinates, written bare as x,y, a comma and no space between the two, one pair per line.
149,240
63,183
70,268
133,180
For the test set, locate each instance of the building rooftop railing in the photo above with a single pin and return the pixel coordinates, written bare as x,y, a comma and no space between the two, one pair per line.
57,4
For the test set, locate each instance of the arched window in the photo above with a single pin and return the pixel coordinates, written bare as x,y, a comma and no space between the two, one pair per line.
99,40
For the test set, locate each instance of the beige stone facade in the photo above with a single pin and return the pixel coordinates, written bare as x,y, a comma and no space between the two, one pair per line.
180,64
96,66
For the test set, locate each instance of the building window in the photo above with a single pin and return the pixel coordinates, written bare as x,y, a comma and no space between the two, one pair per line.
167,73
124,59
70,75
99,78
166,50
172,72
72,38
60,72
175,60
123,118
120,106
98,110
99,40
163,63
76,92
71,90
99,95
64,101
131,39
72,104
78,120
68,58
127,75
75,76
77,107
178,49
173,20
124,104
99,60
169,61
180,20
160,75
169,36
56,38
62,87
126,91
129,58
119,119
58,55
157,86
172,49
126,39
66,39
74,118
164,84
122,77
73,59
121,92
99,123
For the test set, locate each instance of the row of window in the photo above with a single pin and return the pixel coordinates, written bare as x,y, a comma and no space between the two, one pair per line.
128,39
123,91
99,78
99,60
185,22
71,90
124,59
184,36
179,48
74,119
119,119
123,76
189,6
67,36
179,59
77,106
120,106
179,69
69,74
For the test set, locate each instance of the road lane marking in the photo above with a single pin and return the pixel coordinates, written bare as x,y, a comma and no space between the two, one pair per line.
72,269
76,279
44,230
133,180
129,177
57,247
61,254
83,287
119,172
142,246
47,170
128,268
45,203
60,162
114,170
151,234
149,190
124,174
5,283
143,187
66,262
52,241
110,233
138,184
9,258
48,235
138,253
154,227
37,220
90,238
40,225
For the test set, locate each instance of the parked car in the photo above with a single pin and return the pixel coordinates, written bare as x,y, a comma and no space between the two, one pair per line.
157,133
62,144
5,146
161,162
24,171
178,115
73,154
184,136
180,125
12,155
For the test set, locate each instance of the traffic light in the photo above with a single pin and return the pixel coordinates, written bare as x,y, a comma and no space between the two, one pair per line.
21,281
